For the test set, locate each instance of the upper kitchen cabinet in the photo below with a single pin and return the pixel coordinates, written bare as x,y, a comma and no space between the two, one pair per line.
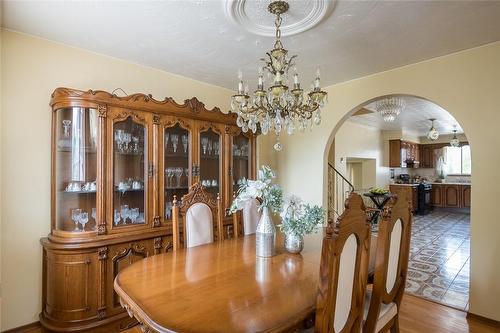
403,154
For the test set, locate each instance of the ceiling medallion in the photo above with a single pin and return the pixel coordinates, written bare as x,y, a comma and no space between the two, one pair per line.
305,15
454,142
390,108
280,107
433,133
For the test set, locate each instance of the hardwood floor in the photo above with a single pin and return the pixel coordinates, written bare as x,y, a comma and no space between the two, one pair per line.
422,316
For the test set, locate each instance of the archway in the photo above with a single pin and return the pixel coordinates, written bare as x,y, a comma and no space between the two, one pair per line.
440,255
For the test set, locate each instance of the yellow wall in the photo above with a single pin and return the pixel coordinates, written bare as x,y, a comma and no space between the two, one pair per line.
354,140
466,84
31,69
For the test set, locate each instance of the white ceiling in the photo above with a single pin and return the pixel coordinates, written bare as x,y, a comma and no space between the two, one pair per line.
201,39
414,118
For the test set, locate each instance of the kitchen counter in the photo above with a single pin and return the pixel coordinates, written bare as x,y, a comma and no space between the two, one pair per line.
450,183
395,184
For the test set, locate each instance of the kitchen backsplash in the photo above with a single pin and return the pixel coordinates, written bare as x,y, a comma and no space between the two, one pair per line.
430,174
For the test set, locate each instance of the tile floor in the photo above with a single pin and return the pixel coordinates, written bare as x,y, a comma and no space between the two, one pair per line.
439,258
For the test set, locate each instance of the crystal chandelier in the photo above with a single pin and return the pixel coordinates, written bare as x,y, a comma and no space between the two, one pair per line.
279,108
390,108
433,133
454,142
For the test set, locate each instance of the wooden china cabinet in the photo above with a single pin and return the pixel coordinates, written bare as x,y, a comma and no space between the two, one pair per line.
117,162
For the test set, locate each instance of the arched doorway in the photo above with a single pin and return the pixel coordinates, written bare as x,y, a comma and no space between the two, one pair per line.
362,150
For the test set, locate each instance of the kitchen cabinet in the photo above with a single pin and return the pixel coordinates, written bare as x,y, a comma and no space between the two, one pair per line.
410,192
451,195
403,154
427,156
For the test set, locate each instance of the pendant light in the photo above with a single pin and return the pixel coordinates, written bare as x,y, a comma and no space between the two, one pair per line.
455,142
433,133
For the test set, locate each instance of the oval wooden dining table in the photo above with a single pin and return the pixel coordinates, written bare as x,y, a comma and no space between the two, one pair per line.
222,287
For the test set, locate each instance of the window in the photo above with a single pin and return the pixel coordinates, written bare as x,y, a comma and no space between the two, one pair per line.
458,160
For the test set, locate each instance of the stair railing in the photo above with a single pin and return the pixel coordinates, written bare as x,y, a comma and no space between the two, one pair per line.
339,188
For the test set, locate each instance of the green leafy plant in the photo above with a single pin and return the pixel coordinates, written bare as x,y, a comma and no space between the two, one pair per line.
300,219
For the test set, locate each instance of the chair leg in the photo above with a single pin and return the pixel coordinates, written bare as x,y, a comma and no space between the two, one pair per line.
395,325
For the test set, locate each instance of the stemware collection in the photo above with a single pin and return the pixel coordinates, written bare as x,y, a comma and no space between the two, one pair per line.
78,187
125,213
124,139
209,147
174,139
79,216
240,150
177,172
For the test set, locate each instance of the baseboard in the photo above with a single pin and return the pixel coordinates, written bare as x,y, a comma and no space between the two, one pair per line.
24,328
485,320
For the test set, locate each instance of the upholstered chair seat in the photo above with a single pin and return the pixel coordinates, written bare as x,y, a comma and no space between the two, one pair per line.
387,312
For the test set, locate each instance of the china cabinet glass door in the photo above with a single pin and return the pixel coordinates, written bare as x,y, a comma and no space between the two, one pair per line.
240,166
176,164
75,187
210,159
130,171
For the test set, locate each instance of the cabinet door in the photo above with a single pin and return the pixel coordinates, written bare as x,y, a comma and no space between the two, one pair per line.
209,157
175,162
414,198
71,285
76,138
466,196
452,196
239,149
437,196
395,158
130,171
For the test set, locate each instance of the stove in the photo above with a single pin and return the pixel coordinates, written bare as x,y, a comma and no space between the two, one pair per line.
424,198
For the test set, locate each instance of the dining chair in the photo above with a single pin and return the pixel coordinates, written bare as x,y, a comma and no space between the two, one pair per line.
344,270
197,210
382,302
247,219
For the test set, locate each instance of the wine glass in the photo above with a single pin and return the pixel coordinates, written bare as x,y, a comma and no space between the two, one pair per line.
169,173
133,214
119,135
75,216
210,147
178,173
124,212
167,136
216,148
168,210
116,217
175,141
127,137
94,214
84,218
135,141
186,173
204,143
66,123
185,143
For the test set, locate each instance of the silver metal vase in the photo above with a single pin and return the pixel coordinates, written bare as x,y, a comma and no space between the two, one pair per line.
294,243
265,235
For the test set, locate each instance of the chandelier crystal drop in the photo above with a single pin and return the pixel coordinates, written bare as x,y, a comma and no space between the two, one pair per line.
433,133
454,142
390,108
280,108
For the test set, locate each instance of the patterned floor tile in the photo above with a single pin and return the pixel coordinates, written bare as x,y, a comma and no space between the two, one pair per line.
438,268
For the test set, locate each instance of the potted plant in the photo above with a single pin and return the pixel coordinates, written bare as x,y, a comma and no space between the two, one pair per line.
297,220
270,197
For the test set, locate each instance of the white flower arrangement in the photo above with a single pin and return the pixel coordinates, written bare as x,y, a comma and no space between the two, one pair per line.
270,195
298,218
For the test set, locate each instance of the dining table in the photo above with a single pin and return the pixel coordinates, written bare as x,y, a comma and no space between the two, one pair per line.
223,287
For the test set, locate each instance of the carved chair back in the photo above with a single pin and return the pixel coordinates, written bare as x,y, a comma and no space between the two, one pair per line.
344,270
197,211
391,265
